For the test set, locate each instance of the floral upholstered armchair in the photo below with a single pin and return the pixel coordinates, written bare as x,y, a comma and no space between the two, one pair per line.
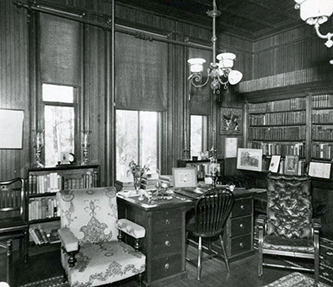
92,254
288,229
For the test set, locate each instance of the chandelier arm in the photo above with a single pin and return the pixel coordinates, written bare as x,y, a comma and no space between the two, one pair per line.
320,35
196,78
223,83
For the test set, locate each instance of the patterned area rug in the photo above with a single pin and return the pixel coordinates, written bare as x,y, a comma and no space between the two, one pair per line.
295,280
50,282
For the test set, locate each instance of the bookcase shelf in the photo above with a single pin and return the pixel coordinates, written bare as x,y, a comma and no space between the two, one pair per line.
43,184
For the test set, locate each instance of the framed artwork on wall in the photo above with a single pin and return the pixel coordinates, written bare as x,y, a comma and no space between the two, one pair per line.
11,129
231,121
249,159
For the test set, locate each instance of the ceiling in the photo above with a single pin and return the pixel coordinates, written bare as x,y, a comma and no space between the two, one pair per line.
251,19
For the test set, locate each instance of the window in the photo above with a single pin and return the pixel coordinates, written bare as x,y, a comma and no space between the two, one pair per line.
198,134
59,121
137,138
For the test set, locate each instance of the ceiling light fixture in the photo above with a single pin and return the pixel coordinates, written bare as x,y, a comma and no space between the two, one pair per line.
316,12
220,73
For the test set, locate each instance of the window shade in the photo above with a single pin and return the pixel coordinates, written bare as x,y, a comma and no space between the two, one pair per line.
200,103
60,55
140,73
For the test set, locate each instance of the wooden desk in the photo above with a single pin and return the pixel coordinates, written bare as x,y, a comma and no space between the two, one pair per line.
164,244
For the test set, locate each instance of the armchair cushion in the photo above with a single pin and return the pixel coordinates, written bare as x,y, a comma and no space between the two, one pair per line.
290,245
131,228
103,263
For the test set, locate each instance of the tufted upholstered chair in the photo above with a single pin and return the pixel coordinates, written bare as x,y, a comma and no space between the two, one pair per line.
288,229
92,255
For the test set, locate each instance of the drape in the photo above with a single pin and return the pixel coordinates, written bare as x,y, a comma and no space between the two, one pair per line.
141,76
60,51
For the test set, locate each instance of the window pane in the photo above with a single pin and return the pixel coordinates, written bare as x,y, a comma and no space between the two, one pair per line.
126,142
197,135
59,132
149,140
55,93
136,139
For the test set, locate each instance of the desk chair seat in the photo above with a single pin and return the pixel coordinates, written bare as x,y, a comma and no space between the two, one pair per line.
13,224
212,211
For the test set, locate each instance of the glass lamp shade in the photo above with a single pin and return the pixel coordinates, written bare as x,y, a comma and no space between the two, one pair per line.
196,65
226,60
313,11
235,77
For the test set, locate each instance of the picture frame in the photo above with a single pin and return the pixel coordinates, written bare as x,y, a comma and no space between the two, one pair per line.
291,165
274,164
231,145
320,169
249,159
11,129
231,121
184,177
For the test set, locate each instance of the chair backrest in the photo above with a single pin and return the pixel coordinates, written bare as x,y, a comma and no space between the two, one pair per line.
12,198
289,206
90,213
212,211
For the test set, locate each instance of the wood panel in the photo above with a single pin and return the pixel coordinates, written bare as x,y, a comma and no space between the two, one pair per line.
14,92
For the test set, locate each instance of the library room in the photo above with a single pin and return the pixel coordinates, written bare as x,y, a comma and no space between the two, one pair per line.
166,143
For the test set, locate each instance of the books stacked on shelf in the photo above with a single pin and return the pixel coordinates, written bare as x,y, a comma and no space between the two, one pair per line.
39,236
42,207
322,150
282,149
322,116
281,118
42,183
322,101
322,132
87,180
281,105
277,133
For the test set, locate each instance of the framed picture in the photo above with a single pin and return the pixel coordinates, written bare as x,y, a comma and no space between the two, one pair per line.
11,129
320,169
231,121
184,177
291,164
274,164
230,147
249,159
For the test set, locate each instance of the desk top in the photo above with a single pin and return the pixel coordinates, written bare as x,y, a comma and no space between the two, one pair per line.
173,200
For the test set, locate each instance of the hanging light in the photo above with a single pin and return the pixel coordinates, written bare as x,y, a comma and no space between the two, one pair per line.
316,12
220,73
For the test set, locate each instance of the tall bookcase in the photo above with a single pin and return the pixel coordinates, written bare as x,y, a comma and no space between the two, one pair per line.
43,183
278,128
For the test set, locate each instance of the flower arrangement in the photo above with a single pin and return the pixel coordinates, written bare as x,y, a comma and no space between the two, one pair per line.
137,172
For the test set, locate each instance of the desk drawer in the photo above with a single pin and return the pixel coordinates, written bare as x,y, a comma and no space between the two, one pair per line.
166,266
242,207
164,243
240,244
241,225
166,220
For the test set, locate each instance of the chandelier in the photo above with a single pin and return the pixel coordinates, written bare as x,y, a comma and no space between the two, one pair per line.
220,73
316,12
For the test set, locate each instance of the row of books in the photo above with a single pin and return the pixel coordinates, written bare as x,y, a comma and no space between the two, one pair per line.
322,116
278,106
285,118
279,148
322,132
39,236
42,207
53,182
322,150
277,133
278,165
322,101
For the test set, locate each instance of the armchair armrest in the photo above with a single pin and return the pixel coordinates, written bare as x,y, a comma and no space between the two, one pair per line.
68,239
316,223
261,221
135,230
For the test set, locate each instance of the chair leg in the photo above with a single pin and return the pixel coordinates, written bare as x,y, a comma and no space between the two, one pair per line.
199,258
260,261
224,254
9,261
25,246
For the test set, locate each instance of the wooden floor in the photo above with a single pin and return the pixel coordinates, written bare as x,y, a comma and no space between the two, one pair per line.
243,272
